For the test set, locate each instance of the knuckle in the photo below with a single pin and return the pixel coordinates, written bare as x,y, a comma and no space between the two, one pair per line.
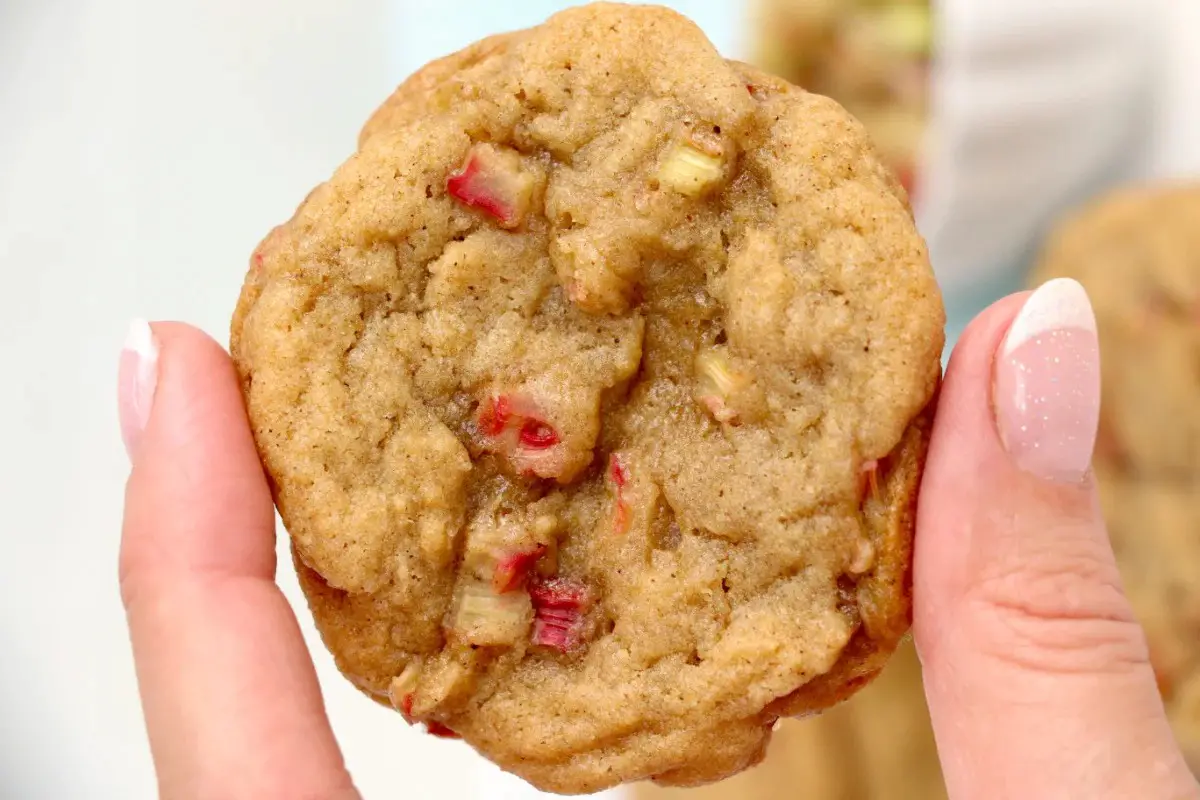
1057,613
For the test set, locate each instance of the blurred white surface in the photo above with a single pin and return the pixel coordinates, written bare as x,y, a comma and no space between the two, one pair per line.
144,148
1035,105
1175,147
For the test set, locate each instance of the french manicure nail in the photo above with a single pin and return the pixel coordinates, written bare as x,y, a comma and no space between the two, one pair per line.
1046,384
137,380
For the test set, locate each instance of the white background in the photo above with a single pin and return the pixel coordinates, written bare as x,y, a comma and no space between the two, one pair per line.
145,146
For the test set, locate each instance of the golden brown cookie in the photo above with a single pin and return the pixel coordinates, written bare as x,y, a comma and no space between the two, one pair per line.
595,390
878,745
1155,529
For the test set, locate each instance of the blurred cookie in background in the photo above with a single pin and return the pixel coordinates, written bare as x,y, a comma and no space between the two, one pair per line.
1184,712
872,56
876,746
1138,254
1155,529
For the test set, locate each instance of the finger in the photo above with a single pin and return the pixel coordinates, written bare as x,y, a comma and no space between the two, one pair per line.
1036,672
230,696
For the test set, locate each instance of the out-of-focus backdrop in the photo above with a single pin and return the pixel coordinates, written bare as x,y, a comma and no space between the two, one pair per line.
146,146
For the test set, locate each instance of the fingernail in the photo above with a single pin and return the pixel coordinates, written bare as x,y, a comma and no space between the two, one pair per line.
137,379
1046,385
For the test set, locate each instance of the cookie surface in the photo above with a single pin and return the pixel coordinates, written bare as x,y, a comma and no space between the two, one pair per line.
594,390
878,745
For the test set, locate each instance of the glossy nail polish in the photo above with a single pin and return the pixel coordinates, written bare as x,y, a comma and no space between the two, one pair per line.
137,381
1046,383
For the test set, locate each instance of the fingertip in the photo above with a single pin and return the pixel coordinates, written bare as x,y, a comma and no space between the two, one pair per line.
1025,636
972,492
197,496
137,382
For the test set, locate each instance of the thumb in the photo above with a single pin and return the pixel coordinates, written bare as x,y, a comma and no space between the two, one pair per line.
1036,671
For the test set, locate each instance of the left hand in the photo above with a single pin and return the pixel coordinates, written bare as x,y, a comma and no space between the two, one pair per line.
228,688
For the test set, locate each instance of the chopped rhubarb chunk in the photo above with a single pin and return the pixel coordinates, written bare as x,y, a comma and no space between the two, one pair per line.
538,435
864,557
486,618
714,366
491,179
493,416
619,473
718,383
403,689
512,570
435,728
559,606
621,517
407,680
869,479
719,410
557,628
406,706
514,427
560,593
690,171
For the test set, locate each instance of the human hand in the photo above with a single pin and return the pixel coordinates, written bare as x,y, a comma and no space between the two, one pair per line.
1037,674
228,689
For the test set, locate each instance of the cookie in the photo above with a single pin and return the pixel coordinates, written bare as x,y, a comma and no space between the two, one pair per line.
1138,254
878,745
870,55
594,390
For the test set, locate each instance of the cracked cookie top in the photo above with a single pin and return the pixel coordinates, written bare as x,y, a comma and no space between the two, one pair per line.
593,392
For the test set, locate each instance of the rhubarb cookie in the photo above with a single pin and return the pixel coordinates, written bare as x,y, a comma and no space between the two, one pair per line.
878,745
1138,254
594,391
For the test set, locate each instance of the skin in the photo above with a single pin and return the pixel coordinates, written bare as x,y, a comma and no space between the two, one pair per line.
1035,670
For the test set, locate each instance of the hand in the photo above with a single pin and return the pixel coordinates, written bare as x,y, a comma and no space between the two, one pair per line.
228,689
1037,675
1036,672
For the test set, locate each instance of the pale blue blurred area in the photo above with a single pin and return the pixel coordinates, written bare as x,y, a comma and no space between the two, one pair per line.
426,29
